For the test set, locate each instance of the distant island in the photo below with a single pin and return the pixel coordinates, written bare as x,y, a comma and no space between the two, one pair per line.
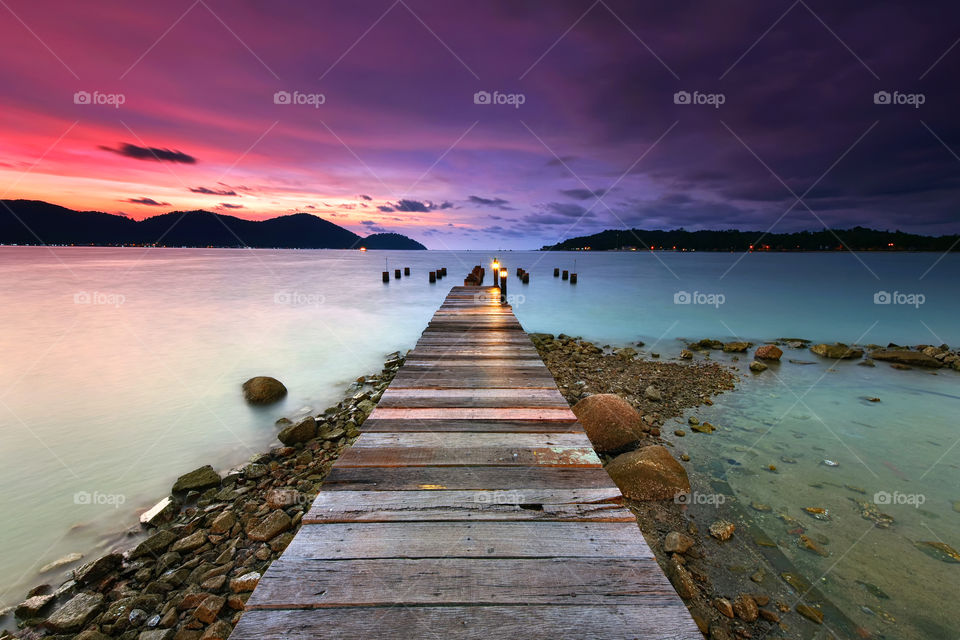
855,239
34,222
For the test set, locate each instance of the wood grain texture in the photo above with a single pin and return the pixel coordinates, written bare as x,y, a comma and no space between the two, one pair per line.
471,506
649,621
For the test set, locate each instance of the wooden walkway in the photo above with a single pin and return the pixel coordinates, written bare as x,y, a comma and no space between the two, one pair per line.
471,506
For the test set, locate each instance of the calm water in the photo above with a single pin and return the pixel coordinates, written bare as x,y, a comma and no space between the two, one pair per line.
122,369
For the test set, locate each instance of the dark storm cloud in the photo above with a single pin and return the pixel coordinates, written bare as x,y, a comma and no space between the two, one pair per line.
150,153
213,192
583,194
420,206
568,209
498,203
227,205
150,202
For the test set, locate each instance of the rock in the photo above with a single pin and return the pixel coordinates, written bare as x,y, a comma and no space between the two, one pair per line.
723,606
722,530
909,358
757,367
209,609
282,498
302,431
191,542
810,613
99,568
268,527
76,613
246,582
676,542
223,523
263,390
681,579
736,347
31,607
837,351
768,352
154,545
746,608
219,630
650,473
70,558
686,354
652,393
162,512
610,422
197,480
769,616
704,427
156,634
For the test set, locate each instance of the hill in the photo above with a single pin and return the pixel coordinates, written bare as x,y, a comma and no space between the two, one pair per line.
855,239
37,222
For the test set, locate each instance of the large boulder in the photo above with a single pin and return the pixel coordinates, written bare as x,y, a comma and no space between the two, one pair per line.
911,358
769,352
197,480
610,422
263,390
269,527
837,351
650,473
302,431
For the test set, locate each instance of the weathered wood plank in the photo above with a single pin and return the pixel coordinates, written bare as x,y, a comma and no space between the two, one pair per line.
544,414
365,540
447,456
502,426
466,440
465,478
601,505
611,622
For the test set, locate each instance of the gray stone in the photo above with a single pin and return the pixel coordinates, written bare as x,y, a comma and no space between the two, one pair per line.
197,480
76,613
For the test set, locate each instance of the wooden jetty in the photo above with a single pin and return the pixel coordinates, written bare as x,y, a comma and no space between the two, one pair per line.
471,506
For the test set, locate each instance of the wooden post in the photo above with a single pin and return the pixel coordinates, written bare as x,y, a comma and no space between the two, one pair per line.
396,273
496,278
406,271
526,278
573,278
433,276
503,286
565,276
386,276
556,272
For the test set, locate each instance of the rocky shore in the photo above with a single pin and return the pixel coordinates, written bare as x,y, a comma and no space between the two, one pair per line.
709,552
209,541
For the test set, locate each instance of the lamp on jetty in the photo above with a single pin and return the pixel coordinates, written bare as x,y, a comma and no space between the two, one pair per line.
496,272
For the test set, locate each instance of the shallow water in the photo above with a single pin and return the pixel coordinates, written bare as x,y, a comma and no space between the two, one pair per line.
122,367
898,453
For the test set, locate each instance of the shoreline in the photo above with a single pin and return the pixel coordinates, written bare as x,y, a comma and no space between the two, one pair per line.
207,543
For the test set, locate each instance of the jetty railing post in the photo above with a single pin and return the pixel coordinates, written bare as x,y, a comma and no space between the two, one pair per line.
433,276
386,276
503,286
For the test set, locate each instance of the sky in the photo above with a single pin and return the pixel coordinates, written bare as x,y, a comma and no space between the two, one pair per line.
494,124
